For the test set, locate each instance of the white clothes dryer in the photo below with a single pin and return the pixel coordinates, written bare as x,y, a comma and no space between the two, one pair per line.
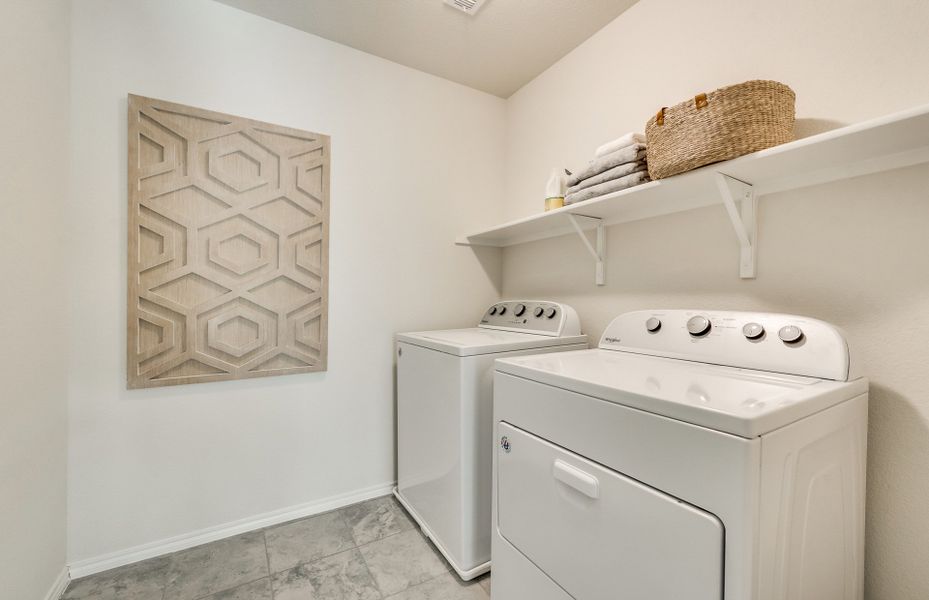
694,454
445,420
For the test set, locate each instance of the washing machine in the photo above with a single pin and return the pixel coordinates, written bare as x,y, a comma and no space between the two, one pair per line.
703,455
445,420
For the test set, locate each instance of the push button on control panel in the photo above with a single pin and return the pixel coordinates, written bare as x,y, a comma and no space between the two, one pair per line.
753,331
698,326
790,334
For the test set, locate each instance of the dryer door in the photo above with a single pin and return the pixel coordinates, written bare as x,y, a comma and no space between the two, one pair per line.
598,534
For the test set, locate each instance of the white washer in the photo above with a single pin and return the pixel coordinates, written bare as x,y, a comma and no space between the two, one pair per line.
445,420
694,454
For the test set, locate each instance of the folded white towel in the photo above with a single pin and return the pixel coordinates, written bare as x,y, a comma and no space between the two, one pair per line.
633,153
620,142
614,185
609,175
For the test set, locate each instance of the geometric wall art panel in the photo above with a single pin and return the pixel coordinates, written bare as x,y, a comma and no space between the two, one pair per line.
228,247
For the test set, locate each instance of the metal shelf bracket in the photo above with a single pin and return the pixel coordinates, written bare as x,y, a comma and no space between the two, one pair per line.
598,251
742,207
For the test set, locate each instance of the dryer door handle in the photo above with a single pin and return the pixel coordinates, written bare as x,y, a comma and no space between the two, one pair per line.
573,477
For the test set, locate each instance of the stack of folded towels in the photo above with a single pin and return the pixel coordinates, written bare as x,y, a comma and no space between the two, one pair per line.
617,165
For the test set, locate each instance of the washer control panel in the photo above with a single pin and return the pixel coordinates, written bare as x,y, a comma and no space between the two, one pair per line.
774,342
532,316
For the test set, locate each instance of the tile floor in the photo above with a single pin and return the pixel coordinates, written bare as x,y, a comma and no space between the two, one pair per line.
366,551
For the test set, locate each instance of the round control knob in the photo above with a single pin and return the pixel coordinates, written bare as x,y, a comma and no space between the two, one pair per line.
653,325
550,313
538,311
698,326
501,310
753,331
493,310
520,309
790,334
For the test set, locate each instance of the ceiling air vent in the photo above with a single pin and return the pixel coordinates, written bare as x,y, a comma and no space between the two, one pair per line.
466,6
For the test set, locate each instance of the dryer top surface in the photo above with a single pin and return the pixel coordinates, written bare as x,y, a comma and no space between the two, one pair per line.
743,402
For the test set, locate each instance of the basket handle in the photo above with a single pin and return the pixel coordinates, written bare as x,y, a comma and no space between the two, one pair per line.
700,101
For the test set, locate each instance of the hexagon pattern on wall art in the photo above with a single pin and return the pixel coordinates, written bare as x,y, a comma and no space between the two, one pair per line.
228,246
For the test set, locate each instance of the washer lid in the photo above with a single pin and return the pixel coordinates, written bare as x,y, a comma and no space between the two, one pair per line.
479,340
742,402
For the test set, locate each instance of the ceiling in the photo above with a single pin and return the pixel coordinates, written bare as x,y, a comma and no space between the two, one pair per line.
498,50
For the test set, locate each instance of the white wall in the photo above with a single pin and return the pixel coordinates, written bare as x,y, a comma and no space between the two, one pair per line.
414,159
855,252
33,184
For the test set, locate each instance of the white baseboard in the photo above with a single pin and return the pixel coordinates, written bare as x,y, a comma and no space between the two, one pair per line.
61,584
83,568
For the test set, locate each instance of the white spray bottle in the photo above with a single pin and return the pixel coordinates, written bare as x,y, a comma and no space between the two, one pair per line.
555,189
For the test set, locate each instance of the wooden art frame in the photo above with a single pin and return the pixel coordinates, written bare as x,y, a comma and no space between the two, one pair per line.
228,247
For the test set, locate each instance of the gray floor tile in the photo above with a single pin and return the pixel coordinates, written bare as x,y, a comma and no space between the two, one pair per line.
313,559
307,540
402,560
256,590
218,566
140,581
376,519
444,587
484,580
339,577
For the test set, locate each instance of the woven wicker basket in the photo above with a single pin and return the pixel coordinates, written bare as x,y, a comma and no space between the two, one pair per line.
732,121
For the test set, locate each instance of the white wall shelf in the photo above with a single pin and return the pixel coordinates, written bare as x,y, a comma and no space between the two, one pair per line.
894,141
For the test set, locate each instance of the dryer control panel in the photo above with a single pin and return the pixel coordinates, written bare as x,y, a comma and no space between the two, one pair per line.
773,342
532,316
